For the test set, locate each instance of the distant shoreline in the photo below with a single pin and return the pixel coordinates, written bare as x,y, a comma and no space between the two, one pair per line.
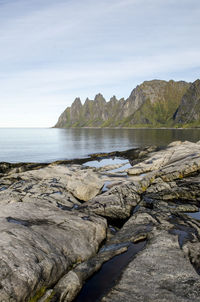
134,128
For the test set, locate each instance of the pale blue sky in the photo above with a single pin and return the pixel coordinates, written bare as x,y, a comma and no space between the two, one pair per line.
52,51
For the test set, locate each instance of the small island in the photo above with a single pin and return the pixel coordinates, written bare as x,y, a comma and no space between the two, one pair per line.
131,226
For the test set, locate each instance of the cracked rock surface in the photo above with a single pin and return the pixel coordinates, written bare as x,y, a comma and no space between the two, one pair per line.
60,224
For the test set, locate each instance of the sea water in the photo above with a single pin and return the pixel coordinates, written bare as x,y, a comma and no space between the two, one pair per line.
50,144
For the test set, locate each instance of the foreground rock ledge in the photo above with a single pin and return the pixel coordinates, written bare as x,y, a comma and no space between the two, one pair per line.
59,225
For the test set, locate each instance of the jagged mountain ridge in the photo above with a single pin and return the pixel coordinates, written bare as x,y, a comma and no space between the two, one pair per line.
152,104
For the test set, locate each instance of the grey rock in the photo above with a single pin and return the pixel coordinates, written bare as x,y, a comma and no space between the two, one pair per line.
162,271
39,243
85,185
116,203
69,285
159,273
54,183
50,240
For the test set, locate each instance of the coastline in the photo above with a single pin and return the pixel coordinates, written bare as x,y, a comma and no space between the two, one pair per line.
81,217
134,128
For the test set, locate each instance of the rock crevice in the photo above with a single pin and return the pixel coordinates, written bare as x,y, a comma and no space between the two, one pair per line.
56,233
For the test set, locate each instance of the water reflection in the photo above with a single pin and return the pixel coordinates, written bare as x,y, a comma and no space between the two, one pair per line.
195,215
44,145
119,139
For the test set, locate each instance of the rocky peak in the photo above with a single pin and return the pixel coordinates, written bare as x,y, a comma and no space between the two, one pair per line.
195,87
75,110
87,101
77,102
99,98
152,103
113,99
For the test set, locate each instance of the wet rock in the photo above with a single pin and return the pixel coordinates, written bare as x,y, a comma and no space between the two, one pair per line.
162,271
159,273
69,285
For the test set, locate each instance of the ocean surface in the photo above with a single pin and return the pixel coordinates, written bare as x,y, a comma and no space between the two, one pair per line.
50,144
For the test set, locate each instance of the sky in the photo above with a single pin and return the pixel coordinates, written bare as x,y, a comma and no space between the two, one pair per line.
54,51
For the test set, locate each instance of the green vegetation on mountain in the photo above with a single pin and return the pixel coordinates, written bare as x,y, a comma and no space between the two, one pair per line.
154,103
188,113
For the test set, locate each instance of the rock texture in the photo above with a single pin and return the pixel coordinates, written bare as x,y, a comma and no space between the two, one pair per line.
189,109
161,272
61,223
153,103
42,236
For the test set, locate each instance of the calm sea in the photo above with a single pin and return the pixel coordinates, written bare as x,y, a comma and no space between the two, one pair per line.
46,144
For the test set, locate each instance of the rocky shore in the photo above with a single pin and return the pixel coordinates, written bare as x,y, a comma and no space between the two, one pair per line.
122,232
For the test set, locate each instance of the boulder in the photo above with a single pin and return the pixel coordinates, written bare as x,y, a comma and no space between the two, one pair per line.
116,203
85,185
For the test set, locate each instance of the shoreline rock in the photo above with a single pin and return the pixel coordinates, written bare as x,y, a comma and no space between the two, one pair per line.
58,227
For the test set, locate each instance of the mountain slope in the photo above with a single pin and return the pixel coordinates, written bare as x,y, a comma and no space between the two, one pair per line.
153,103
189,110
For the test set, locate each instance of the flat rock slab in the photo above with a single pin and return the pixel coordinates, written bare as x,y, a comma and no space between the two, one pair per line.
39,243
160,273
85,184
163,271
177,160
52,183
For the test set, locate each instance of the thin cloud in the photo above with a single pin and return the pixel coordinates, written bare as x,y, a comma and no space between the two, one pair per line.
50,52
